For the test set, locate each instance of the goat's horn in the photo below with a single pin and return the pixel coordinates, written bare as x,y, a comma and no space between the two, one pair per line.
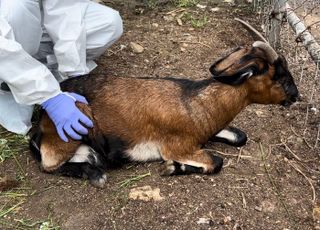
262,43
271,53
251,29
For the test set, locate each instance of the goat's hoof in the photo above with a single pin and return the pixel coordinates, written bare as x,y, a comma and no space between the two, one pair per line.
100,181
217,163
167,169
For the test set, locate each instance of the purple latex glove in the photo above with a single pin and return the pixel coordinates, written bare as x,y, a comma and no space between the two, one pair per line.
65,115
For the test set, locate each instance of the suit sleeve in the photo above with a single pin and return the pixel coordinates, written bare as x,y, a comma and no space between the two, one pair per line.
29,80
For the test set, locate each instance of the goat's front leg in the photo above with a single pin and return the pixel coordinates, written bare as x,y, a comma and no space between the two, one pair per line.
231,136
201,161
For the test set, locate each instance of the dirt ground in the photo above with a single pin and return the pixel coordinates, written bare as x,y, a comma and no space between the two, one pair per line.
271,183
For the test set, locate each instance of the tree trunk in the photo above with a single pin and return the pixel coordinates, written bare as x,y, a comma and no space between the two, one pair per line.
275,23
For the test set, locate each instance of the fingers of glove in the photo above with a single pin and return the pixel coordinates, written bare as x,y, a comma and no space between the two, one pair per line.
85,120
79,128
79,98
61,133
69,130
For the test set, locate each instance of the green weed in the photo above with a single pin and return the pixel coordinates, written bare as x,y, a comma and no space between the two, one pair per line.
129,181
186,3
11,145
196,22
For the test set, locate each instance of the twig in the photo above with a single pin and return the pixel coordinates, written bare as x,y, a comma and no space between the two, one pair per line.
239,156
307,178
127,182
318,136
228,164
303,138
228,154
19,165
176,11
295,155
271,180
244,202
307,28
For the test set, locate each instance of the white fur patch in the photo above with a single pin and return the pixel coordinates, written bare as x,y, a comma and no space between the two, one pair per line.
226,134
195,164
147,151
81,155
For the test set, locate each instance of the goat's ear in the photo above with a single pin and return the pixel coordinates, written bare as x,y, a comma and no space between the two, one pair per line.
235,78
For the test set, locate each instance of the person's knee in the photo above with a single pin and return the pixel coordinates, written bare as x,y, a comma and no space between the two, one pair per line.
18,9
113,27
25,19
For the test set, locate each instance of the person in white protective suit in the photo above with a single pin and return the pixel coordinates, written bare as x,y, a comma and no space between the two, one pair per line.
43,42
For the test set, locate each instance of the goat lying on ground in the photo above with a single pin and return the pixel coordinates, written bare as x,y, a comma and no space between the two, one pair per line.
170,119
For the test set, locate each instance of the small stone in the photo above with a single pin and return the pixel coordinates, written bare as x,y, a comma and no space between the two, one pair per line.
260,113
179,21
168,18
215,9
202,7
203,220
227,219
314,110
257,208
156,25
183,49
136,48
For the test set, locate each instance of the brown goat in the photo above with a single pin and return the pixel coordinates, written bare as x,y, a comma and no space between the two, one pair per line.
142,119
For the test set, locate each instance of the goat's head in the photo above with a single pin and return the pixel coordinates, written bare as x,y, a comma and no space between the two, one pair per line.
261,70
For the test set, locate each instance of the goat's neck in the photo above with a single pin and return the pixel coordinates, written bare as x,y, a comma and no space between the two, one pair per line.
220,104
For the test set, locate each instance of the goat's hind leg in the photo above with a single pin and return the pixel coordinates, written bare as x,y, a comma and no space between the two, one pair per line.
231,136
201,161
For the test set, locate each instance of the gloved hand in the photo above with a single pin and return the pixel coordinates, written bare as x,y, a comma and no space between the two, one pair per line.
65,115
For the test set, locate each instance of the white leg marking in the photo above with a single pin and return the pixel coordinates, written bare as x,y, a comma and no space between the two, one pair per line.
194,163
81,155
226,134
146,151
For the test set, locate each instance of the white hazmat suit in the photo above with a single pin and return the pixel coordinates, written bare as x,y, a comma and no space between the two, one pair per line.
43,43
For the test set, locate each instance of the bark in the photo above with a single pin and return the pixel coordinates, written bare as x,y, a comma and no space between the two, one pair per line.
275,24
304,35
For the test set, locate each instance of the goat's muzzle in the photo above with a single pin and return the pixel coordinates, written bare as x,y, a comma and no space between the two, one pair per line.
292,96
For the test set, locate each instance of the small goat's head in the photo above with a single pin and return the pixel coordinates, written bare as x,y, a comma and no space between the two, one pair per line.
261,71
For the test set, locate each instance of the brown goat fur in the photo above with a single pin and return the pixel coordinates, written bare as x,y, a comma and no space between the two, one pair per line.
177,116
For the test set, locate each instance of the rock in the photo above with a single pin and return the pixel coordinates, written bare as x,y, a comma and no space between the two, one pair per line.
145,193
183,49
257,208
136,48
